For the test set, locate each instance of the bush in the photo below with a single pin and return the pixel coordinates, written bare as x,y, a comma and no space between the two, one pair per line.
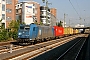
14,35
3,35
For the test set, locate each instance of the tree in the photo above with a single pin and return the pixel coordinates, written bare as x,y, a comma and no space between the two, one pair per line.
10,32
3,32
13,26
0,24
59,23
35,22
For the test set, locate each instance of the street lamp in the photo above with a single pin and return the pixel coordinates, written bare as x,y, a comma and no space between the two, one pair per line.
64,18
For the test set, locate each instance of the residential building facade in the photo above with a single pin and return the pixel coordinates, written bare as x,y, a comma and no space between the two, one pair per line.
3,12
45,18
19,12
10,11
53,20
53,14
7,11
53,11
29,12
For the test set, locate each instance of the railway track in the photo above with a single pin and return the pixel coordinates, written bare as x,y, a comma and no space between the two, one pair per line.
73,52
33,48
37,49
6,43
4,48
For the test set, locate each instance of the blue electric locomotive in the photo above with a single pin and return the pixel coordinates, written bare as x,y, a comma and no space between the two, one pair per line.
33,33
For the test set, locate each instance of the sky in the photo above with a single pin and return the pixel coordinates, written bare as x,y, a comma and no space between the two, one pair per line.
73,10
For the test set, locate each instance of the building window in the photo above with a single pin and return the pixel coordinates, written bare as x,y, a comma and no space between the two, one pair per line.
3,7
43,13
16,11
17,17
3,25
20,5
48,17
8,18
3,16
33,4
42,8
42,16
9,1
8,10
33,10
3,0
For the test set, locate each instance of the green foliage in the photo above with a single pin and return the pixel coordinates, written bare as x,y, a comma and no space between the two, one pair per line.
41,23
23,23
14,25
59,23
0,24
3,35
0,20
38,23
10,32
13,35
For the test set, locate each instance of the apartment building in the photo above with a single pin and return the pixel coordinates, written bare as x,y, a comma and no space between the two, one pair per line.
18,8
28,12
10,11
53,20
53,15
3,12
7,11
45,18
53,11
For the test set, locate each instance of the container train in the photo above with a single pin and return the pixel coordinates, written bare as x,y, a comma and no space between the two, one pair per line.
33,33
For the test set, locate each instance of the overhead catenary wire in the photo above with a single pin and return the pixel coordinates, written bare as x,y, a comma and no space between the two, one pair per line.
76,12
74,9
78,6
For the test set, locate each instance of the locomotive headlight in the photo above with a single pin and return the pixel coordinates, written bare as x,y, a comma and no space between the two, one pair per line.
19,33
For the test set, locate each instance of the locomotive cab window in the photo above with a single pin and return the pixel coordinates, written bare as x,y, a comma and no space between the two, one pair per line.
27,27
22,27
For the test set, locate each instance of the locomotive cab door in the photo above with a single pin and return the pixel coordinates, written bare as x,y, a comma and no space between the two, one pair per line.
34,32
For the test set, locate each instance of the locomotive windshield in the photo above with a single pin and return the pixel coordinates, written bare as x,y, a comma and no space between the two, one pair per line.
25,27
22,27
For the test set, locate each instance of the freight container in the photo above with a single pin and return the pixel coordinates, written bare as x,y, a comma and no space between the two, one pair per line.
77,31
68,31
58,31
